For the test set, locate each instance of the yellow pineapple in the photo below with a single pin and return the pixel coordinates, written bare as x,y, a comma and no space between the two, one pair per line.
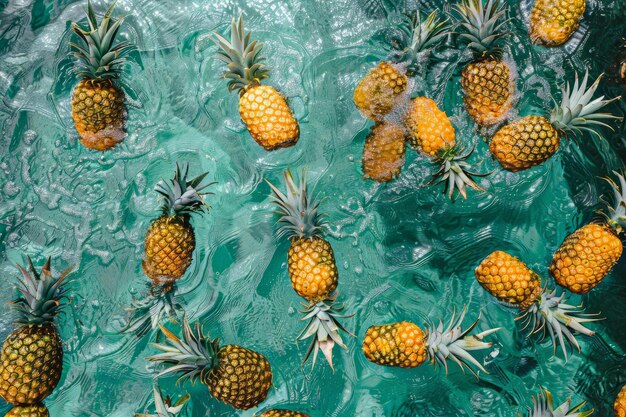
234,375
383,153
543,406
553,22
509,280
311,264
263,109
404,344
98,103
531,140
487,82
165,407
620,403
38,410
587,256
282,413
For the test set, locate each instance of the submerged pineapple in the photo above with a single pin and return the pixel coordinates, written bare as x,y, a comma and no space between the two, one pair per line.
282,413
587,256
312,267
263,109
98,106
405,345
32,355
383,153
487,82
553,22
531,140
543,407
38,410
234,375
165,407
511,281
620,403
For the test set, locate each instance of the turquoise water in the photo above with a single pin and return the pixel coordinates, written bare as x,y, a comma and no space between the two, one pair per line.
403,250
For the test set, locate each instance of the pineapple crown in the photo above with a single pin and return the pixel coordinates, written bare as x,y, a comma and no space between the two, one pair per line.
40,294
242,57
577,111
99,58
181,196
298,209
149,311
193,356
483,24
164,407
543,407
616,218
452,342
454,170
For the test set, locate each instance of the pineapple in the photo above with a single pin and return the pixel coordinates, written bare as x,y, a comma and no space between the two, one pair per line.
378,92
311,264
542,407
404,344
620,403
487,82
38,410
587,256
263,109
383,153
98,103
553,22
164,406
531,140
234,375
509,280
32,355
282,413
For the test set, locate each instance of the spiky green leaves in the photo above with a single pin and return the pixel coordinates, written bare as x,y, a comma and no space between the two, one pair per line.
41,294
99,57
483,24
616,217
181,196
543,407
456,172
165,407
419,35
149,311
242,56
298,209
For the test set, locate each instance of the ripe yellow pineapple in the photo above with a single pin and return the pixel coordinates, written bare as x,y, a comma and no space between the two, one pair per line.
587,256
282,413
311,263
38,410
531,140
234,375
32,355
553,22
263,109
620,403
509,280
404,344
165,407
543,406
98,104
383,153
487,82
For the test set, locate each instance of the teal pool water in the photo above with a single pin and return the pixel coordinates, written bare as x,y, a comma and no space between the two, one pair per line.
404,251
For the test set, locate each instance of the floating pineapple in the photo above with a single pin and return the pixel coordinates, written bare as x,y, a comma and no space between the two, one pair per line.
404,344
488,81
511,281
234,375
263,109
377,93
553,22
311,263
282,413
531,140
620,403
543,407
383,153
32,355
587,256
164,407
39,410
98,106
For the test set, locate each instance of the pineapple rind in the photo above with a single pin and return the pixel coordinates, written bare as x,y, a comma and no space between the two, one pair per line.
378,92
383,152
620,403
312,268
282,413
553,22
401,344
37,410
169,245
430,128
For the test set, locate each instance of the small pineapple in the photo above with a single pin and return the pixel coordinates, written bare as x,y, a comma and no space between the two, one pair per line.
377,93
553,22
98,104
509,280
531,140
587,256
282,413
37,410
405,345
543,407
165,407
488,81
234,375
263,109
383,153
311,264
32,355
620,403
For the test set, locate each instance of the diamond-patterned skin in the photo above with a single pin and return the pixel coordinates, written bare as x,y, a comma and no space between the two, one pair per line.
169,247
489,88
400,344
525,143
553,22
312,268
383,152
509,279
28,411
376,93
620,403
282,413
242,378
31,364
268,118
585,257
99,114
430,129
